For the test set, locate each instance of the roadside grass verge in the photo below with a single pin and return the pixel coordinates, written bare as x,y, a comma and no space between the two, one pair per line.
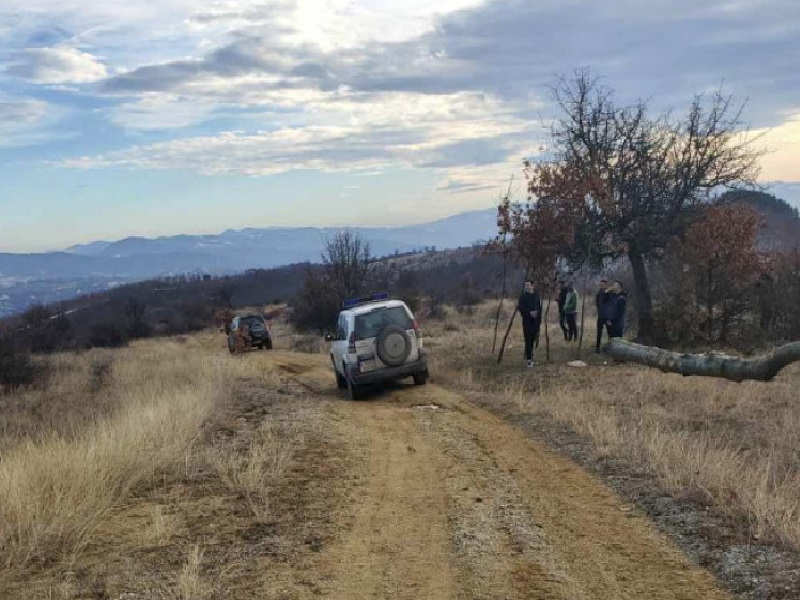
60,481
255,470
732,445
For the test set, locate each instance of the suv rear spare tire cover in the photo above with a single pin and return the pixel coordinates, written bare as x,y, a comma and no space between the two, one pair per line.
393,345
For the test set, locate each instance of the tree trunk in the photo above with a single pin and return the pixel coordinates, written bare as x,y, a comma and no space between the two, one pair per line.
760,368
644,300
583,316
710,305
544,323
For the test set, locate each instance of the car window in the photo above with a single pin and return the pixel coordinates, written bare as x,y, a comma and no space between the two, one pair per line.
369,324
341,329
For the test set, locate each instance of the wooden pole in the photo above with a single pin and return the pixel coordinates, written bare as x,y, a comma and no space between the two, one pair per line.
503,294
544,323
505,338
511,322
586,262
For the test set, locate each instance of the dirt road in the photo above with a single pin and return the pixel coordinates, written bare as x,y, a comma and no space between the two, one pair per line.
449,501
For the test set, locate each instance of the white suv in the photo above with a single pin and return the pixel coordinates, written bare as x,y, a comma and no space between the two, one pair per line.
376,339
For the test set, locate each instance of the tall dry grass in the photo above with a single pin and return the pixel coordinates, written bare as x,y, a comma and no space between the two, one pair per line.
57,486
68,399
255,470
736,445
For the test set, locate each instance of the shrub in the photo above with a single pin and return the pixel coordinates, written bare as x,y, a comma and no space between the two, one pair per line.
16,367
108,335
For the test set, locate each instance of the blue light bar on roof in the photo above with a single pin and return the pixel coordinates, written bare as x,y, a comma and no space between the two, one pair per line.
352,302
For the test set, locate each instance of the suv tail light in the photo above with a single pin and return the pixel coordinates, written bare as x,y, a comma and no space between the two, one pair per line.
351,349
417,330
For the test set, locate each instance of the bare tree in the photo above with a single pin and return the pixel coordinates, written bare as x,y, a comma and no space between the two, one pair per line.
654,169
344,273
346,258
135,312
225,294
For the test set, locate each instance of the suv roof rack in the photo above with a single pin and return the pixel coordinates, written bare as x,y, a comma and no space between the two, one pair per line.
353,302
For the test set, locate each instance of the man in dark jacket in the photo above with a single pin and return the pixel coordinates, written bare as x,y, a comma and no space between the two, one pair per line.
616,314
530,307
563,291
599,301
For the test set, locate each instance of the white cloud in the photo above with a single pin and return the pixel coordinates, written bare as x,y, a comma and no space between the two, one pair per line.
57,65
25,121
782,146
160,111
366,131
337,84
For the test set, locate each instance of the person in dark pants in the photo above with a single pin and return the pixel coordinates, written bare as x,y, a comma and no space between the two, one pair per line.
571,313
599,301
530,307
616,316
561,301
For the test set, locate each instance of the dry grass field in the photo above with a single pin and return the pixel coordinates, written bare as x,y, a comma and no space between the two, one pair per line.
735,445
171,470
115,433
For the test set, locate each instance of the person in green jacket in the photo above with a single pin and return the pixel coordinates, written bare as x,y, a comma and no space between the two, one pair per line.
571,312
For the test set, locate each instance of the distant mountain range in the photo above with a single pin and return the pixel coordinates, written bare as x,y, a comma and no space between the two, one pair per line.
235,251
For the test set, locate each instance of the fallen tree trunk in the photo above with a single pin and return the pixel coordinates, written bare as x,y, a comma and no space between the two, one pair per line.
760,368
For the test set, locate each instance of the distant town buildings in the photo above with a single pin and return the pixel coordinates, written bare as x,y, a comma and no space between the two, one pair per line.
6,308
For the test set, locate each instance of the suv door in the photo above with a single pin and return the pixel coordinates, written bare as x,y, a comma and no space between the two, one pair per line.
340,342
368,328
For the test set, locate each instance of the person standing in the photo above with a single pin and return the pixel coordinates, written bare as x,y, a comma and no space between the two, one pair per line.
616,316
599,301
530,307
571,313
561,301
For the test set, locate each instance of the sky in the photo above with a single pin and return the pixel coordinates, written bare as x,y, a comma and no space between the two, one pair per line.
158,117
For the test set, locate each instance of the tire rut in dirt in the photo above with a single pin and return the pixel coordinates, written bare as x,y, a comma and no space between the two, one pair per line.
399,543
502,551
457,503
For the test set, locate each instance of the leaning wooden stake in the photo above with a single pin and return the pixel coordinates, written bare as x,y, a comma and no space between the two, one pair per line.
544,322
760,368
502,296
510,323
505,338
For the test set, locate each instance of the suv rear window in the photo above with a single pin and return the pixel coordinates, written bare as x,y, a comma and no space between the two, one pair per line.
368,325
250,321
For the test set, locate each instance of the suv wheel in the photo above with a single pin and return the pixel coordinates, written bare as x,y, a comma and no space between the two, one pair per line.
420,378
393,345
341,382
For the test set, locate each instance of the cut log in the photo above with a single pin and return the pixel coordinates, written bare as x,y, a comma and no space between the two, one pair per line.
760,368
